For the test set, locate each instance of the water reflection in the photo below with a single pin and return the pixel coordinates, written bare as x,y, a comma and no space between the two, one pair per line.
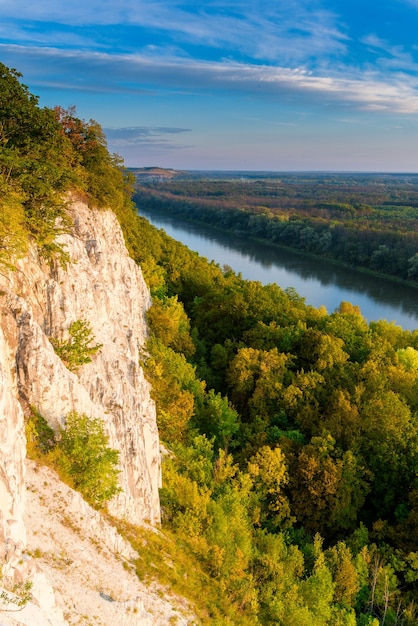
319,282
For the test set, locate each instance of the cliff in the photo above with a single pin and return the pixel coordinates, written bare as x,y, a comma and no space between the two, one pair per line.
104,287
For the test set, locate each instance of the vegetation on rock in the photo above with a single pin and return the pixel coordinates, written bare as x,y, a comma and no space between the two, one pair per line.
85,457
78,349
15,597
80,453
44,155
290,489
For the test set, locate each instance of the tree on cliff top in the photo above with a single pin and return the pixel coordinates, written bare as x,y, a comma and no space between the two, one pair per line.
35,160
45,153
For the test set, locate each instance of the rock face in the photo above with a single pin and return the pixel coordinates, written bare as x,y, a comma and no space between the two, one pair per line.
104,287
12,455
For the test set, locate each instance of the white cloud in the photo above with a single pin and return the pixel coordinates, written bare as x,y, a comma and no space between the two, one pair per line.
130,73
390,57
264,30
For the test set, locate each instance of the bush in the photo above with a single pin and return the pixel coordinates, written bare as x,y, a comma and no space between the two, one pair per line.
40,437
76,351
85,458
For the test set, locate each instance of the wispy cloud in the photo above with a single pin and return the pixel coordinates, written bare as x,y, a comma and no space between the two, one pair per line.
264,31
139,135
143,74
390,57
30,34
134,142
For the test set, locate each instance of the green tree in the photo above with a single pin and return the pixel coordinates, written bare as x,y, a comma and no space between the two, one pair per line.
319,351
278,568
269,474
218,419
175,390
100,173
327,487
348,324
13,234
34,160
230,537
169,322
409,358
255,378
389,447
84,456
78,349
341,418
301,400
413,266
340,561
317,590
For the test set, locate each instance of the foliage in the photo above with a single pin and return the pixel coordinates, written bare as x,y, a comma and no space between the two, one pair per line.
100,173
217,419
77,350
16,595
170,324
33,161
13,235
360,220
44,155
269,472
79,452
175,389
85,458
307,469
40,437
290,492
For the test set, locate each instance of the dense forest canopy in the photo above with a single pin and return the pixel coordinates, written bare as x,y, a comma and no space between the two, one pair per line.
312,424
290,489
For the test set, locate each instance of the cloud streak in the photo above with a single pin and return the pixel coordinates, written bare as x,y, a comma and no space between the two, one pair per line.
396,93
304,31
245,81
131,136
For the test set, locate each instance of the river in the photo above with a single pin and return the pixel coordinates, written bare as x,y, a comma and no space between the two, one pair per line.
319,282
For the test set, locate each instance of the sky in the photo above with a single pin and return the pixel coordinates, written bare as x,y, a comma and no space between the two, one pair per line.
279,85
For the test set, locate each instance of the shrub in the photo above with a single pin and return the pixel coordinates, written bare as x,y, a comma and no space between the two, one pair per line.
40,437
84,456
76,350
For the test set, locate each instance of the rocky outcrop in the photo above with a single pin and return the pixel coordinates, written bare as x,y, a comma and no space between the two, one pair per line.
104,287
90,566
12,455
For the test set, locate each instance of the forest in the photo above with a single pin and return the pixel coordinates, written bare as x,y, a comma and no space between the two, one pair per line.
362,220
295,436
290,488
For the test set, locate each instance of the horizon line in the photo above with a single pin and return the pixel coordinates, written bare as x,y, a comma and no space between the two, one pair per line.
301,171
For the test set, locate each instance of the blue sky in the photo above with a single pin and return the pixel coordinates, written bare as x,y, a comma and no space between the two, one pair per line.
235,84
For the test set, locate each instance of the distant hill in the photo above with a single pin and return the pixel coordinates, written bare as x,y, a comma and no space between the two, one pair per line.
154,173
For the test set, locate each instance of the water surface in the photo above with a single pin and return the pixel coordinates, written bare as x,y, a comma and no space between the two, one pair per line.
319,282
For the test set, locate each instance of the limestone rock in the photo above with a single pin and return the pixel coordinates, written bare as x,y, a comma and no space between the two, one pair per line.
12,455
104,287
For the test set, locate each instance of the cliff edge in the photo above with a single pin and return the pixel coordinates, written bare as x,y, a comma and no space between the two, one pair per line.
104,287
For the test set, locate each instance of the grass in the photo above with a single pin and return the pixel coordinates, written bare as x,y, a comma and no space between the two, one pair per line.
164,558
178,566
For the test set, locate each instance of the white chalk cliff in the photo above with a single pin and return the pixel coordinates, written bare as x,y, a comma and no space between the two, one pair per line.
103,286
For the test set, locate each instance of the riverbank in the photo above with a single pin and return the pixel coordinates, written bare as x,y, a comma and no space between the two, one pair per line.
306,255
322,282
